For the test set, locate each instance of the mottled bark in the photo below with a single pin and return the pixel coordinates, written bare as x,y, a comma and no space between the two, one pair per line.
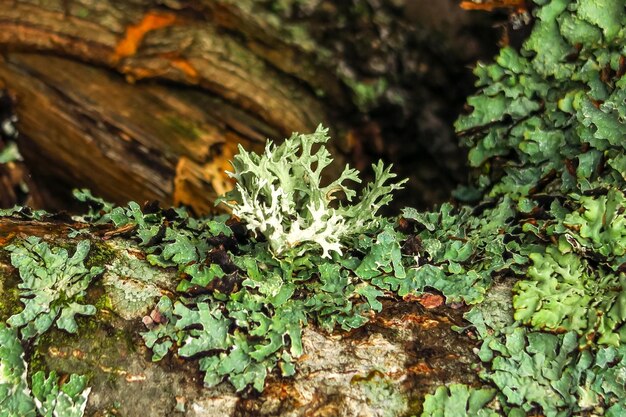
384,368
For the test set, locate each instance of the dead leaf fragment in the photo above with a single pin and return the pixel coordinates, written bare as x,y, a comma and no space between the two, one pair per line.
429,300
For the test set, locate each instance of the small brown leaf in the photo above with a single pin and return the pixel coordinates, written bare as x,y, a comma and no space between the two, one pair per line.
428,300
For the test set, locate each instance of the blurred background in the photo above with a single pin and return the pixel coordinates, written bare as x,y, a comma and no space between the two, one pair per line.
148,99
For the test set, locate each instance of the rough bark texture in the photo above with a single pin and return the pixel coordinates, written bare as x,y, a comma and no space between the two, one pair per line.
148,99
382,369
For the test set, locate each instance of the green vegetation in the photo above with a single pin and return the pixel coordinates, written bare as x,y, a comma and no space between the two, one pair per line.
48,397
52,283
550,118
546,135
539,255
458,400
564,293
309,258
465,252
280,195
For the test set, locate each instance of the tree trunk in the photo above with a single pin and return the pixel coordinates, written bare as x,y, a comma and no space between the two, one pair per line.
382,369
149,99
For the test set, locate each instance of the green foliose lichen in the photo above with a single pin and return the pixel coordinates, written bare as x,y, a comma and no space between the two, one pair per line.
564,293
52,285
461,401
546,135
45,396
556,107
132,285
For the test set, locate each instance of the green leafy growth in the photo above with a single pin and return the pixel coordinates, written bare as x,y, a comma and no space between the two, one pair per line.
148,225
563,293
260,343
68,400
531,369
492,317
243,313
534,369
15,397
546,134
384,257
52,285
98,208
207,329
458,400
540,371
162,332
602,381
556,108
600,223
462,252
48,398
244,354
23,212
280,195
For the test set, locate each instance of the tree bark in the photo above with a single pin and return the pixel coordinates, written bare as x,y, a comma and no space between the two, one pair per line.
148,99
383,368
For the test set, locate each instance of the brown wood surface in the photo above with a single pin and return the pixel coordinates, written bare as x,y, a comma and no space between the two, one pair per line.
149,99
123,141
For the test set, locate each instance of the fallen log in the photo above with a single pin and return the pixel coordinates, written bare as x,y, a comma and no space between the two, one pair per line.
383,368
148,100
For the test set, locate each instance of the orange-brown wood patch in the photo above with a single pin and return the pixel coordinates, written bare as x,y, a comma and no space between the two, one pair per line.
519,5
135,33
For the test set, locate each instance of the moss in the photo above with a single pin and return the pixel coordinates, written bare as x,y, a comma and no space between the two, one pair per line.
10,302
97,345
101,254
103,303
185,127
37,361
87,326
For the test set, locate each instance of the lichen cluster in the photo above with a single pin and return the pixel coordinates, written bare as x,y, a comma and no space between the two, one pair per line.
52,285
244,298
52,282
539,255
46,398
546,133
280,195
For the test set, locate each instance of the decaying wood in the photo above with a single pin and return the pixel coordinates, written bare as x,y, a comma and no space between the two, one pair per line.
384,368
143,41
147,99
123,141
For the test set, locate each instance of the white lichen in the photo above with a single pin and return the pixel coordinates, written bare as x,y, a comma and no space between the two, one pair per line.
279,194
